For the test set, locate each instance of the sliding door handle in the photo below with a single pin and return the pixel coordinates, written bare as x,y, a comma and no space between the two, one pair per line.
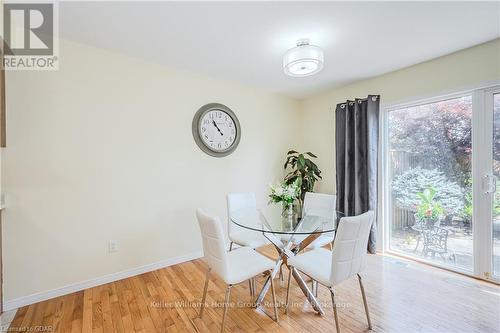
489,184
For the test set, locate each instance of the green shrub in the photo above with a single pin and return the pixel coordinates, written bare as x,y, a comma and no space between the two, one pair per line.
407,186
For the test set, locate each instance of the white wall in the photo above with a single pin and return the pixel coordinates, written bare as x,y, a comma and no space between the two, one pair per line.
102,149
460,70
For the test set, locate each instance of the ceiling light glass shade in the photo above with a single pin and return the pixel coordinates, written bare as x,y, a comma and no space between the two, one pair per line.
303,60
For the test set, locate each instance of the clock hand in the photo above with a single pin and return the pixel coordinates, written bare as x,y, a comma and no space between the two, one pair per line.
215,124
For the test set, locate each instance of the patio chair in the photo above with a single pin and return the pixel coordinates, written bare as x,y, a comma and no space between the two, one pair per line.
436,242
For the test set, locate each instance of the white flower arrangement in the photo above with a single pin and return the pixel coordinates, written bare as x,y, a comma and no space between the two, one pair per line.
284,193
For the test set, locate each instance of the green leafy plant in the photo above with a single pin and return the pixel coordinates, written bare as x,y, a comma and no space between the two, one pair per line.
429,208
497,206
304,172
466,212
497,200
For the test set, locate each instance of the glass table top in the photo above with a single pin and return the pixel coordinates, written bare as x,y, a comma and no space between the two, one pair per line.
270,219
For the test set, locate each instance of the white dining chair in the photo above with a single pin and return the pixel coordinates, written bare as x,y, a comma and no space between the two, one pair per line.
239,235
348,258
323,205
320,204
233,267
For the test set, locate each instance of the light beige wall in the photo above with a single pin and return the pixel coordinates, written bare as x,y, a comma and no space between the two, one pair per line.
456,71
102,149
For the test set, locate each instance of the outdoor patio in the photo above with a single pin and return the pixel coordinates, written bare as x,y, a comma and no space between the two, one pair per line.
459,244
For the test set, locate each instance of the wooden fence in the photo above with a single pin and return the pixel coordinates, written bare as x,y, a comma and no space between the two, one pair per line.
400,162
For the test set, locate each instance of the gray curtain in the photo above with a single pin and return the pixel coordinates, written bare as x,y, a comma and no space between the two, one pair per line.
356,147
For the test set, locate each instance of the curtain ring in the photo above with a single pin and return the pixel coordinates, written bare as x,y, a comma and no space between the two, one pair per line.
342,106
351,103
360,101
374,98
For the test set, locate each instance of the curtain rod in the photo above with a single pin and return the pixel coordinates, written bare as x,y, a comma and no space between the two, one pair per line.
360,100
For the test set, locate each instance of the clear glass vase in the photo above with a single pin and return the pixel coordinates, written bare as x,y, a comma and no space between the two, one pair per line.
287,213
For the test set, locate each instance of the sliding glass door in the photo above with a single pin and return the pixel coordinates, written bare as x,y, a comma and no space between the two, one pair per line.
493,104
430,170
441,159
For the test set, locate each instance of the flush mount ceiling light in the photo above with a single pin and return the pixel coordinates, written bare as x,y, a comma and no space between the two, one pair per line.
303,60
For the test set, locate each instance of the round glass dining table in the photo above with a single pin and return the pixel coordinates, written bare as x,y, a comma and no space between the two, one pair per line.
290,234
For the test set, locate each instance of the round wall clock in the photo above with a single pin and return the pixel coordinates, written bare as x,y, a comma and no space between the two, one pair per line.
216,129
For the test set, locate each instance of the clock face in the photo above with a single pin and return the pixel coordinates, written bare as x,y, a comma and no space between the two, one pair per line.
216,129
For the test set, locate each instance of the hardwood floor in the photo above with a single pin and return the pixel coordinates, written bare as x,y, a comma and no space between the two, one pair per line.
403,296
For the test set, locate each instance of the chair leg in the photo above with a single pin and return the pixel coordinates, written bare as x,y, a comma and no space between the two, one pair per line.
204,297
254,290
231,246
274,297
281,275
226,306
250,287
288,289
418,242
251,284
365,302
335,315
314,288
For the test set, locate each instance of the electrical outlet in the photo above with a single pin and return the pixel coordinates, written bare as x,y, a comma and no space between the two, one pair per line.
113,245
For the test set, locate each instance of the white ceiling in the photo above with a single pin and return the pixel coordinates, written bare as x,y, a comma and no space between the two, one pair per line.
245,41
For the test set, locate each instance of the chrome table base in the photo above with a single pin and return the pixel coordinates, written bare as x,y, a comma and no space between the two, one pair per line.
285,251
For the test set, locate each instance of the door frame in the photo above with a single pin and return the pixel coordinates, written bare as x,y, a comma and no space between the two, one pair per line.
484,166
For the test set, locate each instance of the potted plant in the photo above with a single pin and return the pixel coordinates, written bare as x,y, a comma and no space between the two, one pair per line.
429,210
304,172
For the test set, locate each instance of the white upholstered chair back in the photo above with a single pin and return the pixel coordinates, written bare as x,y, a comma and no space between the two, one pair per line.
323,205
214,244
237,201
319,204
350,246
